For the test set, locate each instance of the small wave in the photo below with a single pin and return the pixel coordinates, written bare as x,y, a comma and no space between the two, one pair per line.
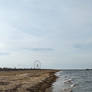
88,81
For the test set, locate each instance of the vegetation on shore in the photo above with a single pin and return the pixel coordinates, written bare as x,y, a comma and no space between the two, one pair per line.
26,80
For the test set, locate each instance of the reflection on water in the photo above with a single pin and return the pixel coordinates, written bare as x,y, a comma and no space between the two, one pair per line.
72,81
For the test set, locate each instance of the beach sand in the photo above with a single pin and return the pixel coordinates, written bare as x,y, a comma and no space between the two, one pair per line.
26,80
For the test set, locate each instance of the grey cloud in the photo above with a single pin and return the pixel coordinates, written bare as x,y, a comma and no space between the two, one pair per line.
4,53
84,46
39,49
77,46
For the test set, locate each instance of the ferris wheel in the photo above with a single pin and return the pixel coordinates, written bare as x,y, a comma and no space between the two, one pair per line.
37,64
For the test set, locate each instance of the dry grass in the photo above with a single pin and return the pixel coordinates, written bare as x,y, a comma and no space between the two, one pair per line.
15,81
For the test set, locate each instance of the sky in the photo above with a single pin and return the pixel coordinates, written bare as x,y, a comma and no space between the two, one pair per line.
58,33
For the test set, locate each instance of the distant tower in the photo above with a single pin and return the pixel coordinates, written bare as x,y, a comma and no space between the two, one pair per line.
37,64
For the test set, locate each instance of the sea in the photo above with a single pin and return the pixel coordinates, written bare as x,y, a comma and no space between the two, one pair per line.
73,81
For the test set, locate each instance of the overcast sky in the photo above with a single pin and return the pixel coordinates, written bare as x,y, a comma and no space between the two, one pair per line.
56,32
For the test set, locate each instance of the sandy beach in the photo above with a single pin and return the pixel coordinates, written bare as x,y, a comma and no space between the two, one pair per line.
26,80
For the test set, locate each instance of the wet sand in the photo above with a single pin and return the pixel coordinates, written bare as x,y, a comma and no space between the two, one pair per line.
26,80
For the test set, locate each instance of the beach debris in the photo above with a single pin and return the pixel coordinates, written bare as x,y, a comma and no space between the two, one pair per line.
68,81
73,85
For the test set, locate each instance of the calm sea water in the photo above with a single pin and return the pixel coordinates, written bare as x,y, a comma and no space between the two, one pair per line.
73,81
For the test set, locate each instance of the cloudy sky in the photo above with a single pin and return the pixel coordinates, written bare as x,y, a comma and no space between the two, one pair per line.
56,32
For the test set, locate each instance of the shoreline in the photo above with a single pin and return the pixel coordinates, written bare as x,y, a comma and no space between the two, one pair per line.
41,87
27,81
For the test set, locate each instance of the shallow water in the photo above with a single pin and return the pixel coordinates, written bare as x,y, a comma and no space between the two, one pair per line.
72,81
